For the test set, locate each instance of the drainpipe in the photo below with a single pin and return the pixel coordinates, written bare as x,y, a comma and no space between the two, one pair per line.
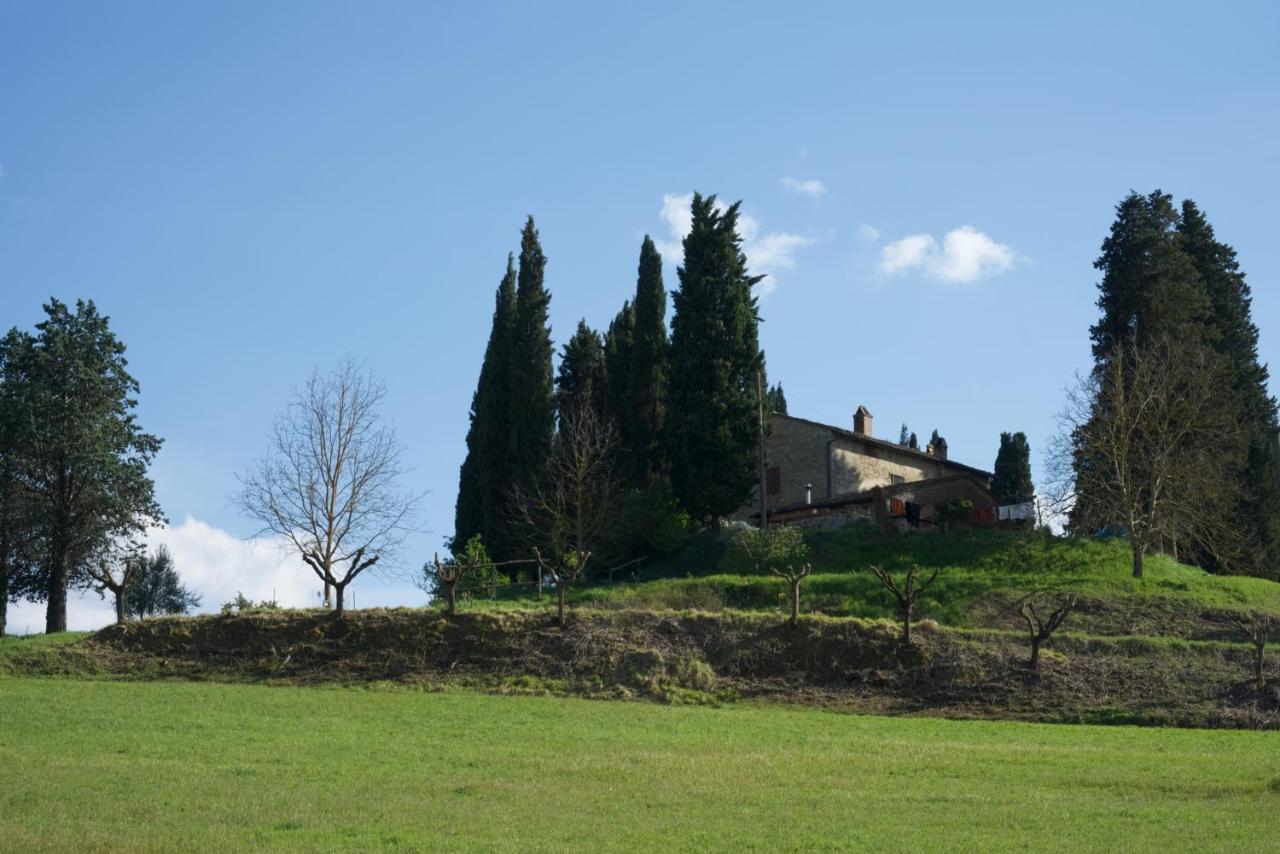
808,493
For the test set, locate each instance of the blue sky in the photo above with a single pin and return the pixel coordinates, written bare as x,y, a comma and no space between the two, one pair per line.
250,190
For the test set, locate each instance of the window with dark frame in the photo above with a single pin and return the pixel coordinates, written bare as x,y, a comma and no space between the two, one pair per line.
773,480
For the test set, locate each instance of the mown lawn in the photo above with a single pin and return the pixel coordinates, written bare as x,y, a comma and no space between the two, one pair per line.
90,765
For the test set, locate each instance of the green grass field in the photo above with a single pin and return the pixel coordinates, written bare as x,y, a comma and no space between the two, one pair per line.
87,765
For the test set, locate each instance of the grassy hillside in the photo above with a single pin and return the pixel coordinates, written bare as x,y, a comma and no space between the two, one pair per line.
94,765
982,574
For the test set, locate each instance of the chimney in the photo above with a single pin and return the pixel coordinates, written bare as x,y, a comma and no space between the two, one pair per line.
938,449
862,421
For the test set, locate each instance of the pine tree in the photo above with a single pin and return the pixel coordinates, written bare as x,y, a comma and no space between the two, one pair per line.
482,485
712,410
580,381
1012,481
641,424
532,403
1245,395
913,442
904,435
619,344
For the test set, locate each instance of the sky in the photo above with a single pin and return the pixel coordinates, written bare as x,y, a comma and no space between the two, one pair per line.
253,190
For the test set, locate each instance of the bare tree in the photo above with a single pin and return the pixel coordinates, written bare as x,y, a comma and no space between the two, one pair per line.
116,570
448,575
329,480
1259,627
793,575
573,508
907,594
1143,445
1041,629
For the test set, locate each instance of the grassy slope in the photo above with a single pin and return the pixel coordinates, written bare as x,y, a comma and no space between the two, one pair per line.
182,765
974,566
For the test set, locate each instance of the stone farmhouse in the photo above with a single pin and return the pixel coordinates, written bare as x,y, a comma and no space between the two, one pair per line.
820,475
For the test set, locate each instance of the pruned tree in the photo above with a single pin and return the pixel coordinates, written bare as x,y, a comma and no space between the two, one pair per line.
908,594
329,482
158,589
1042,628
1259,628
448,575
115,570
571,511
1144,446
781,549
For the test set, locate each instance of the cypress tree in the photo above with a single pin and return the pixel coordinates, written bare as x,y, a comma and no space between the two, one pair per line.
482,485
1012,481
1245,395
775,400
711,427
641,423
619,343
580,382
532,403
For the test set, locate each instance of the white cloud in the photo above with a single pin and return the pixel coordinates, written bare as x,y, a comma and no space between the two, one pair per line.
965,255
766,253
868,233
813,188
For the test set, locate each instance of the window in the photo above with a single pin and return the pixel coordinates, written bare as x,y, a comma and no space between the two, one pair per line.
773,480
895,479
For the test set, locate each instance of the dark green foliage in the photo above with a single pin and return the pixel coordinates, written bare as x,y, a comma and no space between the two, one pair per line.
640,424
934,438
1150,288
619,344
482,482
532,404
156,588
913,442
580,381
775,400
650,523
18,528
1012,482
1245,395
904,435
712,406
87,473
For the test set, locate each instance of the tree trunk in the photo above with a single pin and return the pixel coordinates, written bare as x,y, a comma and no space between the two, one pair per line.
1137,558
906,626
560,604
1259,660
795,602
328,594
4,599
119,594
55,614
1035,654
339,594
453,598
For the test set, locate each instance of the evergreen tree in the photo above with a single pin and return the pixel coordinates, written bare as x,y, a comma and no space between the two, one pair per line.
913,442
18,526
156,588
640,426
712,410
934,438
619,344
1012,482
1150,288
904,435
87,473
531,401
482,483
775,400
580,381
1245,395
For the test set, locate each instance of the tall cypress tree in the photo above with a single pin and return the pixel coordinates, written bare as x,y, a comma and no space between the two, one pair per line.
580,382
775,400
712,407
482,486
532,403
641,425
1245,395
1012,481
619,343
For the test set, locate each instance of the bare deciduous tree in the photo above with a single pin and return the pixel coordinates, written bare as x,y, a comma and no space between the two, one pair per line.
1142,446
1259,627
793,575
573,508
448,575
907,594
116,570
1041,629
329,480
778,547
